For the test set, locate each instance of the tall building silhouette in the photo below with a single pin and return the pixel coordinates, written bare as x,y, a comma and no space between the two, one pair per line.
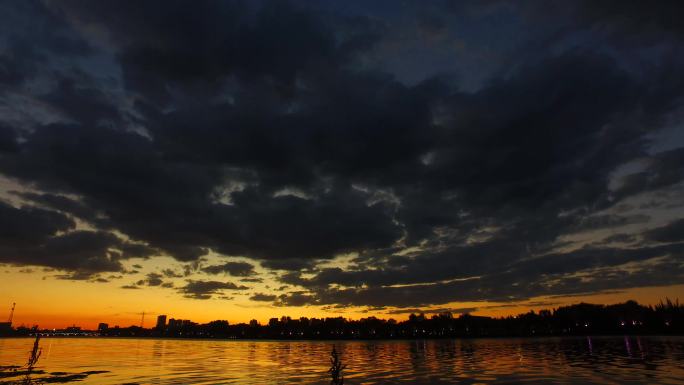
161,322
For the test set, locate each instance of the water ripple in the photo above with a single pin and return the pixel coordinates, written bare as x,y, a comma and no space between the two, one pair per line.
605,360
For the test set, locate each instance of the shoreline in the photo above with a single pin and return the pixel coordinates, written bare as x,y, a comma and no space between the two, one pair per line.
353,339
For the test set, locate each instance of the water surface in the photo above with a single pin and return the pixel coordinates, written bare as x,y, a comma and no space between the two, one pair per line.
605,360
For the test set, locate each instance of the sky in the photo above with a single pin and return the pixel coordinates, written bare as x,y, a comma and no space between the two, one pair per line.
252,159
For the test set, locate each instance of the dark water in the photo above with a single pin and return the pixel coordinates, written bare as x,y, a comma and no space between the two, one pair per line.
605,360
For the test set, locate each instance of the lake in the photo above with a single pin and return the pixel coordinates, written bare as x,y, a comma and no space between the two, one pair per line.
609,360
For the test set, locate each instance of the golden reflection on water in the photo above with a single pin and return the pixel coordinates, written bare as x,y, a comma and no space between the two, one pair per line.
615,360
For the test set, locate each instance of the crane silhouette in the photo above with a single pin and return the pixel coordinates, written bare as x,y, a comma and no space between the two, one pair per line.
11,315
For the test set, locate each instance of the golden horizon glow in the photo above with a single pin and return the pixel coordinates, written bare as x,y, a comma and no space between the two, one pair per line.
54,303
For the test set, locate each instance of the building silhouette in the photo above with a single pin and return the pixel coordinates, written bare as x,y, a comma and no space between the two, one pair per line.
5,327
665,318
161,322
174,323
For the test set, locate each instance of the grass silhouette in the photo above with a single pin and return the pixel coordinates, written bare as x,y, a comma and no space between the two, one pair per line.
336,368
29,369
33,358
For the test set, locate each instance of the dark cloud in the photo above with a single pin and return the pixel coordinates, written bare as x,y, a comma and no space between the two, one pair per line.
151,279
672,232
32,35
252,280
460,310
608,221
28,225
206,289
662,170
80,276
556,274
297,299
82,251
287,134
261,297
618,238
171,273
161,48
634,19
290,264
33,236
166,194
60,203
8,139
236,269
82,102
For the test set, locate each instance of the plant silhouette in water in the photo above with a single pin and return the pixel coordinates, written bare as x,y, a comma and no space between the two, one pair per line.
12,371
34,356
336,368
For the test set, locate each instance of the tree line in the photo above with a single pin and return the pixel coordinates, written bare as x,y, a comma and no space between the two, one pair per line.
667,317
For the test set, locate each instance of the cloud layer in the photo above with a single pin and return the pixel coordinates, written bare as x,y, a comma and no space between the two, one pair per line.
292,134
